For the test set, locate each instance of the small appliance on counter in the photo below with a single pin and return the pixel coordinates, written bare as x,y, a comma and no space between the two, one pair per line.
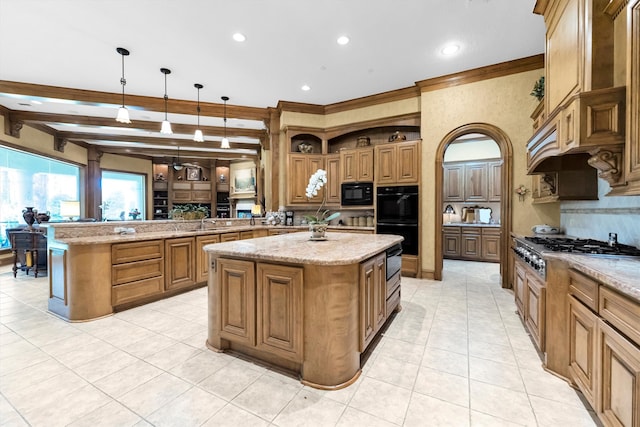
288,218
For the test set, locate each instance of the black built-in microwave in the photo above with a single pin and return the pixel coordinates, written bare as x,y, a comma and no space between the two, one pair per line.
357,194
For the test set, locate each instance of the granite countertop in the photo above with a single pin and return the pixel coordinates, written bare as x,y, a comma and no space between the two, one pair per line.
469,224
92,239
617,272
297,248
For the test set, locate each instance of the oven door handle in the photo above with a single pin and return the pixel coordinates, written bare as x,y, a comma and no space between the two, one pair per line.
398,224
394,251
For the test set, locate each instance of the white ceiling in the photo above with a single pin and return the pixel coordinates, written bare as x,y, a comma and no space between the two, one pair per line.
394,43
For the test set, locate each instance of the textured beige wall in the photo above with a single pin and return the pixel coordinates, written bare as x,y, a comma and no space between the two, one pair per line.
502,102
389,109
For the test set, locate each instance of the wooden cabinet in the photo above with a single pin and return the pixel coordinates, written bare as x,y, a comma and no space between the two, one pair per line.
471,243
236,307
530,298
373,301
261,306
332,188
160,200
619,388
356,165
279,307
202,259
453,183
186,192
583,325
137,271
301,167
180,263
473,182
229,237
490,244
632,144
564,185
397,163
494,181
535,300
451,242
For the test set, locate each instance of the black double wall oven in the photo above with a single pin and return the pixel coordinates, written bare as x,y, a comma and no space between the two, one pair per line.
397,209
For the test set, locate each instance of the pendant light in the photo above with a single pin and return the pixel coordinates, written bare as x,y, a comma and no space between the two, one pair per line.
198,137
123,113
225,140
166,126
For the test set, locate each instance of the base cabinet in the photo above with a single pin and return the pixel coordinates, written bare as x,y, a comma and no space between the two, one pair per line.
471,243
202,260
137,271
583,325
236,292
373,298
530,298
180,263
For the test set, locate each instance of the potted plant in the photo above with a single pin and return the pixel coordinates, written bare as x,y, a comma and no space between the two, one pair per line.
538,89
318,223
188,211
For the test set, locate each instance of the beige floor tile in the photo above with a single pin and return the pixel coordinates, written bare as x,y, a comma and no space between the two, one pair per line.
172,356
191,408
109,415
200,366
382,400
352,417
230,380
151,343
31,376
83,354
429,411
280,393
106,365
232,416
550,413
9,416
496,373
127,379
402,350
387,369
478,419
491,351
550,387
68,344
309,409
441,385
154,394
446,361
500,402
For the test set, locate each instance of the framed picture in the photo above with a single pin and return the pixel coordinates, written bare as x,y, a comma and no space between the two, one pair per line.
243,180
193,174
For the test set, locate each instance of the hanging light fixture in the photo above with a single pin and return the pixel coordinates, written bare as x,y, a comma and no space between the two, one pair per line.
198,137
166,126
123,113
225,140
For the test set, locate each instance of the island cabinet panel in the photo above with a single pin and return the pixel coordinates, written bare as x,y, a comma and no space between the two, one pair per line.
237,300
279,306
202,259
535,310
619,379
180,263
582,348
373,302
137,271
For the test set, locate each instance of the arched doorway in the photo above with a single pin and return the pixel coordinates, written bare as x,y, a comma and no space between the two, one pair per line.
506,152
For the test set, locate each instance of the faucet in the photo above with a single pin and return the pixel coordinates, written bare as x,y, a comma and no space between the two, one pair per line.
613,239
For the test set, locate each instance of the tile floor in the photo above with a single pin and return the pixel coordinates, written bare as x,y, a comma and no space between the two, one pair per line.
456,355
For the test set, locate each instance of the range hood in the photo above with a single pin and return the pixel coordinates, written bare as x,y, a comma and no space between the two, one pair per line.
585,132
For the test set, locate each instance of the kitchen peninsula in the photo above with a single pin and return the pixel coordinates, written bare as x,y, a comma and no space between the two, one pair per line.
309,307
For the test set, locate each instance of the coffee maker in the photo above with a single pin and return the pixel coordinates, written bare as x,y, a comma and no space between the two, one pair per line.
288,218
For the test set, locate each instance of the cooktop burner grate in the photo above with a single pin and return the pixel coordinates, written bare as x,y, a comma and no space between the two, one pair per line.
583,246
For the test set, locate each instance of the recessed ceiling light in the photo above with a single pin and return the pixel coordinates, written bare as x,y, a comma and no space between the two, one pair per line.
305,87
239,37
343,40
450,49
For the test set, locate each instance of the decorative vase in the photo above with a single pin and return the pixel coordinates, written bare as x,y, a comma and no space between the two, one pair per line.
29,215
318,231
43,217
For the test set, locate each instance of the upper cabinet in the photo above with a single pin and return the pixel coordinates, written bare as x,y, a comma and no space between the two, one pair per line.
356,164
592,86
397,163
473,181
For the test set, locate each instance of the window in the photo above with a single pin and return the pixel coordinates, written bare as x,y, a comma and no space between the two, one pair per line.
35,181
123,194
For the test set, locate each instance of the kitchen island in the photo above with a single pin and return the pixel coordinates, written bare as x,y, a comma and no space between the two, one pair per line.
308,307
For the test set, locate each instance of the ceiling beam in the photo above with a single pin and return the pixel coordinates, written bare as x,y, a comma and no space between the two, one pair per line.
148,103
147,125
168,156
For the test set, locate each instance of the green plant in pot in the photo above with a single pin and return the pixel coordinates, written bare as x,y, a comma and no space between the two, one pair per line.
538,89
188,212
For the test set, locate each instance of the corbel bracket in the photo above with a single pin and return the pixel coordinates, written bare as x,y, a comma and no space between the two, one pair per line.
609,163
12,127
59,143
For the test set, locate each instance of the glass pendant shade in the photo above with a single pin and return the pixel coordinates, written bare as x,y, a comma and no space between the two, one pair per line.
225,143
198,137
166,127
123,115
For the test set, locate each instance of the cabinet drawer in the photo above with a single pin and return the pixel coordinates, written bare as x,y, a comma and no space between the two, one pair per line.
182,186
491,231
201,186
392,284
134,271
201,195
229,237
246,235
136,251
393,301
584,289
621,312
471,230
133,291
